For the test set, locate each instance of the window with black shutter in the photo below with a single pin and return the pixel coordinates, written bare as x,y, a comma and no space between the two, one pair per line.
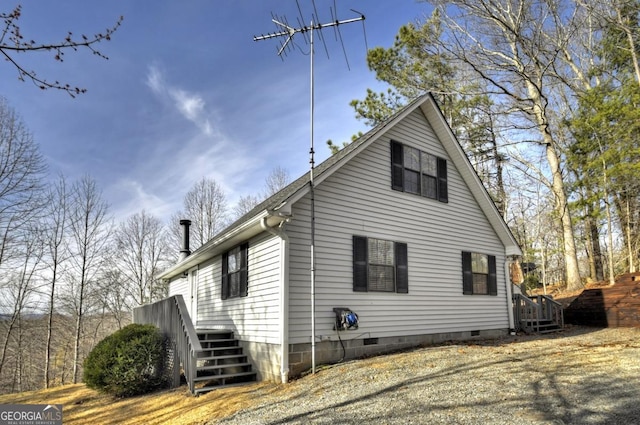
418,172
235,272
479,274
379,265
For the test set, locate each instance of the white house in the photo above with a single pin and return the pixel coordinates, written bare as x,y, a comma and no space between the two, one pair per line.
406,236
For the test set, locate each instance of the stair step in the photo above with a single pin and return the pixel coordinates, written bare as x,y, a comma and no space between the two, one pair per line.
223,357
213,331
218,340
225,376
220,344
215,334
219,352
227,347
221,366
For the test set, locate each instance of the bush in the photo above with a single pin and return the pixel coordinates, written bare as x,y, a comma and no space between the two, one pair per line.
531,282
128,362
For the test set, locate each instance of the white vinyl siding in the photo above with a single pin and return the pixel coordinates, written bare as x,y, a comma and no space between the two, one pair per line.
254,317
358,200
180,286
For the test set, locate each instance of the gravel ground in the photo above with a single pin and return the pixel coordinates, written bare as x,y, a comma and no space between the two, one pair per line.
579,376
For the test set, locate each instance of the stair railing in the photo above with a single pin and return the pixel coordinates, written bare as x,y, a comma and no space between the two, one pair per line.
551,310
529,311
171,316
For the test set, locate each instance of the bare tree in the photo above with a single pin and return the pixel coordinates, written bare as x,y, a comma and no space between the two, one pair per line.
56,234
277,179
21,174
142,250
19,286
245,204
206,206
506,43
90,232
13,42
115,298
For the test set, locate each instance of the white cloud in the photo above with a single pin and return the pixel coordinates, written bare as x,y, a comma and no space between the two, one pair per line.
132,197
190,105
155,80
178,154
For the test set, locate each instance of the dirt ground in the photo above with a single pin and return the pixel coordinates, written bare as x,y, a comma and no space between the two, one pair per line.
583,350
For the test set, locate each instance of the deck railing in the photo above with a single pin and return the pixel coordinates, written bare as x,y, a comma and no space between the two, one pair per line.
531,312
172,318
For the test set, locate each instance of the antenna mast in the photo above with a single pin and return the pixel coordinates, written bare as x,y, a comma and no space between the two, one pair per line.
288,32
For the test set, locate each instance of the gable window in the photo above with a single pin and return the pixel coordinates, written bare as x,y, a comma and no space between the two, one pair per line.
234,272
379,265
418,172
479,274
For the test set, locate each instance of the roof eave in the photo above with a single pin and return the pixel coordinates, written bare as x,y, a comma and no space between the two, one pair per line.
223,242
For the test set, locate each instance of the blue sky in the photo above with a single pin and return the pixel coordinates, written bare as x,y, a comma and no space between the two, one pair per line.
187,93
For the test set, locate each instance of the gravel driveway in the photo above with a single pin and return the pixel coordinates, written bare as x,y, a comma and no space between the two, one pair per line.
579,376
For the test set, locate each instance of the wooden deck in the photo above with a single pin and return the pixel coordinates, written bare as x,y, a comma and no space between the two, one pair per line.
611,306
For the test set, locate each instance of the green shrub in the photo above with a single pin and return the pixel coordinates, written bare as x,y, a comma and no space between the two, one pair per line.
531,282
128,362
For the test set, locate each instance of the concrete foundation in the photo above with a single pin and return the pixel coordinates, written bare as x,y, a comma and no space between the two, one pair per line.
330,351
265,358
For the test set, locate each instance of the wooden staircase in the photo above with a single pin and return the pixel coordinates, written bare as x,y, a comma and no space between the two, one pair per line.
542,326
538,315
220,362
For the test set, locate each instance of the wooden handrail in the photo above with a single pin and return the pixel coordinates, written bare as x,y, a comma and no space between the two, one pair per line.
552,310
171,316
529,311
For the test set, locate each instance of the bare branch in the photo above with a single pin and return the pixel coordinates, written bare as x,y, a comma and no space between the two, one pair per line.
13,42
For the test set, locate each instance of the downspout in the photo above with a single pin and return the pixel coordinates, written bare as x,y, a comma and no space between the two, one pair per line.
507,278
284,295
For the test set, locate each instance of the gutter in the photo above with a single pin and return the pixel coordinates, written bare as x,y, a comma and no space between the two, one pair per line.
278,231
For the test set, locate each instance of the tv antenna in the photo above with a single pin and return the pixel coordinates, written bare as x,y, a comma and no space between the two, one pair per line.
288,32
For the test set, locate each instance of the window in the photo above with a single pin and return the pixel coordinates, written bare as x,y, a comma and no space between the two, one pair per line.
234,272
418,172
479,274
379,265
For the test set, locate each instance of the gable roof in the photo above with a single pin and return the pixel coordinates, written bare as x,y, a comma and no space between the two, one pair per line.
277,207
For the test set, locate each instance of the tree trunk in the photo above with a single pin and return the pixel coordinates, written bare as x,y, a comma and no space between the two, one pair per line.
564,217
592,234
572,271
47,350
596,250
76,348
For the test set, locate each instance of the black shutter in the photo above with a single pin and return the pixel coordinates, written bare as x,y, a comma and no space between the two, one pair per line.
402,272
360,276
492,279
397,167
225,276
467,274
443,191
244,269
